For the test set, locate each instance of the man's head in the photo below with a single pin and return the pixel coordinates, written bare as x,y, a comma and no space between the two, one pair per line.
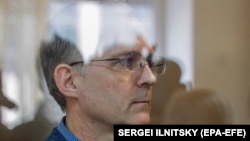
114,87
58,51
118,84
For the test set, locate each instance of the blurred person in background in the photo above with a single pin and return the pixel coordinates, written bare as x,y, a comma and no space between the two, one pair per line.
46,117
197,106
4,101
166,86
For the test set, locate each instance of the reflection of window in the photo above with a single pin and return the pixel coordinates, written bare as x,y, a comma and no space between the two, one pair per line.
145,15
179,36
144,12
175,34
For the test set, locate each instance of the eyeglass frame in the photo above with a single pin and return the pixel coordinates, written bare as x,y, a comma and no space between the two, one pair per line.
142,64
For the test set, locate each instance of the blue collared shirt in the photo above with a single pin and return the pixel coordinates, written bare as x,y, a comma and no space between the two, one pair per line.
65,131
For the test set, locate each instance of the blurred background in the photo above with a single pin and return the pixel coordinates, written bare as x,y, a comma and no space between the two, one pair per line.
207,44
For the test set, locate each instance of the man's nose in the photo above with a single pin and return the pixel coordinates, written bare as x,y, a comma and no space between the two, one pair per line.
147,78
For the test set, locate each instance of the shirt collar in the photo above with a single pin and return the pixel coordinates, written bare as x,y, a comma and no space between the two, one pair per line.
62,128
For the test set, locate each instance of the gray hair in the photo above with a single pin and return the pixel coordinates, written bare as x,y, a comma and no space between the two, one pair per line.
52,53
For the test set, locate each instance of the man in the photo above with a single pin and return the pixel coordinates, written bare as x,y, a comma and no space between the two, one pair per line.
114,87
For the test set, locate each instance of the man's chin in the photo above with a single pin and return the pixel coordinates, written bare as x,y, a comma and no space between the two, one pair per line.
142,118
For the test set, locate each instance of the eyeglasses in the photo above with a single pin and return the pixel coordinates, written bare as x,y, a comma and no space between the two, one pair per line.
134,61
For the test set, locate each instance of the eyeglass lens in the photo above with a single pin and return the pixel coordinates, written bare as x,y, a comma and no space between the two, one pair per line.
135,61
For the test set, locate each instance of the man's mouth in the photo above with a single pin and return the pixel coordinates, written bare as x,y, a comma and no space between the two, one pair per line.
141,102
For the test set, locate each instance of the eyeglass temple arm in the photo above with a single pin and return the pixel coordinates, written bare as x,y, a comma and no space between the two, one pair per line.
112,59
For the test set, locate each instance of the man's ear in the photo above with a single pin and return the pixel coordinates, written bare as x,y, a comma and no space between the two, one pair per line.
63,75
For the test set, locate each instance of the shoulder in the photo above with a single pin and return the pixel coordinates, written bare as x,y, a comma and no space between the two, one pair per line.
55,136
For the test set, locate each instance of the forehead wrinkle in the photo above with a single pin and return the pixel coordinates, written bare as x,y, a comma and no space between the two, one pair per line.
119,50
116,51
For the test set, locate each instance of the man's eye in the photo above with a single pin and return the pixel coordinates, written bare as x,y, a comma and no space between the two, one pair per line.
127,61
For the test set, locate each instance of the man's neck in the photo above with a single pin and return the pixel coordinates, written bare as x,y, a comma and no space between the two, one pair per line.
87,129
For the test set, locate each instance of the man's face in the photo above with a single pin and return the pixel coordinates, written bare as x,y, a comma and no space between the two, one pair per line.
110,94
